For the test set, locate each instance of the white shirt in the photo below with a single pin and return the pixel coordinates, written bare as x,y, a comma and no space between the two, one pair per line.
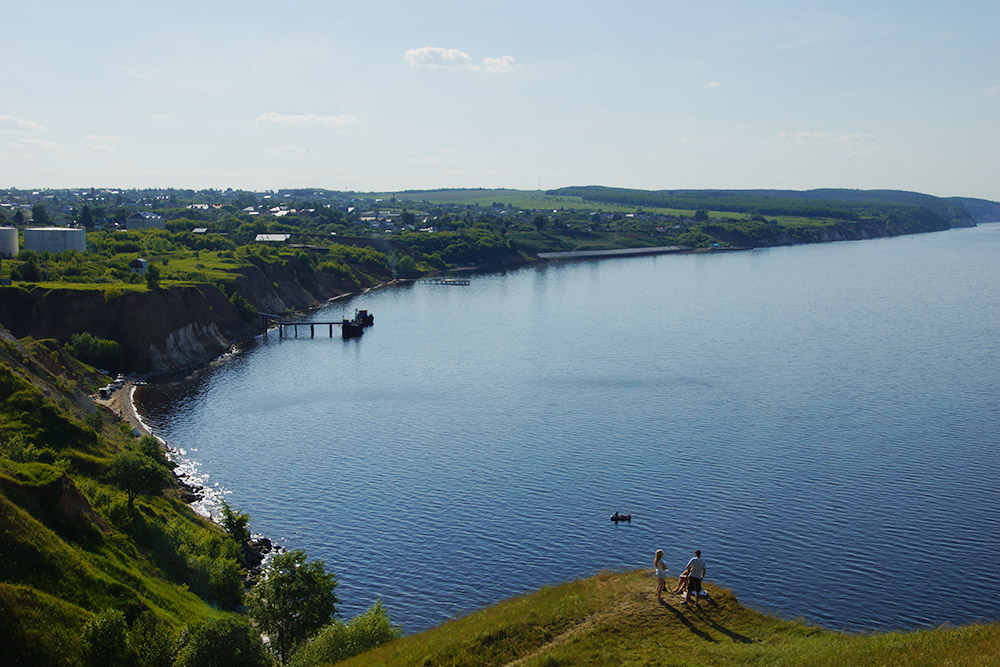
697,566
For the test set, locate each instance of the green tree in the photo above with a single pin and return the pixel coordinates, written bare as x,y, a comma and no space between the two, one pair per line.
18,217
223,642
235,523
98,352
293,600
40,215
86,217
29,271
137,474
700,216
153,277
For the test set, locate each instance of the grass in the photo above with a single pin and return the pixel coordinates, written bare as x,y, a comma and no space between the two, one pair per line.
70,547
537,200
614,618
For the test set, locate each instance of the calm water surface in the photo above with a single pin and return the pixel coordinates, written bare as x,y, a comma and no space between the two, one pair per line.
821,421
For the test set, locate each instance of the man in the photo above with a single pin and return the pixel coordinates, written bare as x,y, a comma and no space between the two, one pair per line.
698,570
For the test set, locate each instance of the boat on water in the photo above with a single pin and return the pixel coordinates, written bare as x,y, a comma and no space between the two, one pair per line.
616,517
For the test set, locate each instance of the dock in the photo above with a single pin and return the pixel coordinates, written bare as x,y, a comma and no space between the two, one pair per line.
348,328
447,281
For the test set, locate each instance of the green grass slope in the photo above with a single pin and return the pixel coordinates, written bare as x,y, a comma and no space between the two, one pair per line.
71,547
615,619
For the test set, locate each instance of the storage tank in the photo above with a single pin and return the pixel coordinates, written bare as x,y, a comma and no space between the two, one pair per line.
8,242
54,239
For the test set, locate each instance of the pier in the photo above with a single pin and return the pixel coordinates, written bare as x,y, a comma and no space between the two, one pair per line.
348,328
447,281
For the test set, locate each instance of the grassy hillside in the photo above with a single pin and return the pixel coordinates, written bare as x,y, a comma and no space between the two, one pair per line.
72,547
614,619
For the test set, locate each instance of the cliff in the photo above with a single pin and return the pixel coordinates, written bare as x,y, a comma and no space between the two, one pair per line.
766,234
167,329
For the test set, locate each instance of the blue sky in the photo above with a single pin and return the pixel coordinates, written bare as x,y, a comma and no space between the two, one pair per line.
392,95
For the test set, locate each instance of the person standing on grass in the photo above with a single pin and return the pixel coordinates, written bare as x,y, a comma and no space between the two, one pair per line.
697,567
661,574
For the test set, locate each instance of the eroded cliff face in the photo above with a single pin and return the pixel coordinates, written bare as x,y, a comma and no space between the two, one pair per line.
842,231
159,331
292,285
172,328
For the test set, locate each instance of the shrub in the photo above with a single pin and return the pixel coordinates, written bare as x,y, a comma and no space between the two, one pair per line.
223,642
104,637
339,640
99,352
152,642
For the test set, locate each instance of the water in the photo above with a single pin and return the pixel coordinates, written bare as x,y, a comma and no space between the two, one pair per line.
821,421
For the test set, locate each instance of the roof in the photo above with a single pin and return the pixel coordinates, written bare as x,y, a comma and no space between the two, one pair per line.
272,238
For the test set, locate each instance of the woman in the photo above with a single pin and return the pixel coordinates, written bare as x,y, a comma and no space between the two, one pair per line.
682,580
661,574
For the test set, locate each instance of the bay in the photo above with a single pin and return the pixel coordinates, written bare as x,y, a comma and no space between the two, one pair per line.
821,421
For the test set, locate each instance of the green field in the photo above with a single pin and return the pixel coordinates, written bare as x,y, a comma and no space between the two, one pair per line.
532,200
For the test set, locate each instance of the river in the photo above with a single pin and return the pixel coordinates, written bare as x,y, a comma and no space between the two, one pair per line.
821,421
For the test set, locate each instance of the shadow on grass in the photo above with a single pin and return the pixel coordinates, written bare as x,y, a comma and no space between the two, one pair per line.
690,626
735,636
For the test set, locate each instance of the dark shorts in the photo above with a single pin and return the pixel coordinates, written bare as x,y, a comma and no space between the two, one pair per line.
694,585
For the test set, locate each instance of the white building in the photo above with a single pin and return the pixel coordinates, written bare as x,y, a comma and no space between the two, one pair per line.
55,239
8,242
144,220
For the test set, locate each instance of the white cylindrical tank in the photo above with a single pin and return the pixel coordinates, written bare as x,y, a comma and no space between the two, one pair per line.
8,242
54,239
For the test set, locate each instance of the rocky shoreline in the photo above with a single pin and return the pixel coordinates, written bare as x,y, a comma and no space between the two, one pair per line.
257,548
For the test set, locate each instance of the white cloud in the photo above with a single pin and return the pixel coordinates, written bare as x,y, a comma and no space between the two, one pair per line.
103,137
287,150
98,148
436,57
501,64
804,138
686,141
275,118
711,85
12,123
39,144
993,89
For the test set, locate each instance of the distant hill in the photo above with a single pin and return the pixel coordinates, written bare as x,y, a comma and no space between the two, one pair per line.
981,210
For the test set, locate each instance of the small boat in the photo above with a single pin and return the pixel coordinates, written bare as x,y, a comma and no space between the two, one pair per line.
616,517
364,318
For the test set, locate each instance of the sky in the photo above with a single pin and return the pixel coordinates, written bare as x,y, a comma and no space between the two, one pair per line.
379,96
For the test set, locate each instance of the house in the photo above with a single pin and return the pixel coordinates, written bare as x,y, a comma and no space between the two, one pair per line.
272,238
143,220
138,266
